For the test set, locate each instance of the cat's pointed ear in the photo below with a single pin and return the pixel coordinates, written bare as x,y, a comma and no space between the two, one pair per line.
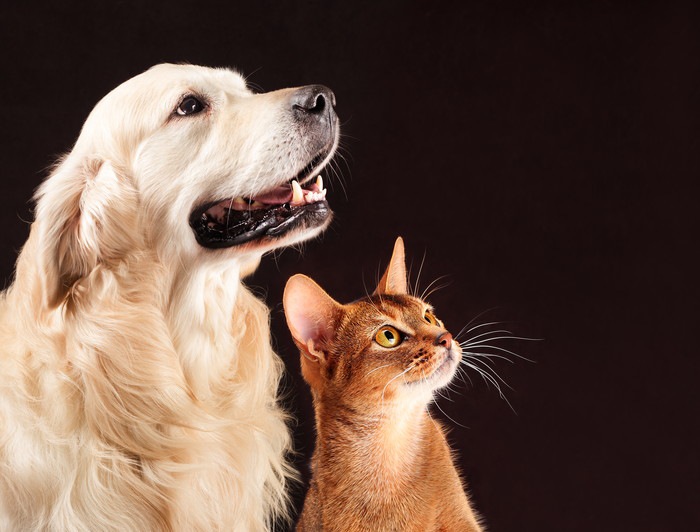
394,280
311,316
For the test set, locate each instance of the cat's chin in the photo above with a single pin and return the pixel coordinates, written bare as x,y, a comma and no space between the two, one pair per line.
443,373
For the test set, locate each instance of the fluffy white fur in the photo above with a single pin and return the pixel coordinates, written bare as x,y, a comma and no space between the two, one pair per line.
137,381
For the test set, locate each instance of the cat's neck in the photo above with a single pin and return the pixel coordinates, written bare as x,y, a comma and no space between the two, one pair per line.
394,464
383,441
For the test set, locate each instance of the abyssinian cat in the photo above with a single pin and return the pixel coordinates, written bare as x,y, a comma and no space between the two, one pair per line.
381,463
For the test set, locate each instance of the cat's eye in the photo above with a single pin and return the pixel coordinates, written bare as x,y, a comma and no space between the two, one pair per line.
430,318
189,106
388,336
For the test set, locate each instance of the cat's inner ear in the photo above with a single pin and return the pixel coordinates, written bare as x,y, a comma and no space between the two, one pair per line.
310,314
394,280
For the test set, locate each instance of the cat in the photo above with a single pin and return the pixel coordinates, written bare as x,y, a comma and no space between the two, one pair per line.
381,463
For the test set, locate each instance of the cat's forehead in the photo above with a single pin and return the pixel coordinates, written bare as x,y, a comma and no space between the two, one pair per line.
395,304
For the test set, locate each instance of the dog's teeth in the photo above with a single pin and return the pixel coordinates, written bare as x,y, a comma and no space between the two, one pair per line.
297,194
319,183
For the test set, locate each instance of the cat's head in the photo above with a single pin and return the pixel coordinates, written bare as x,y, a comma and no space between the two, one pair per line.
385,346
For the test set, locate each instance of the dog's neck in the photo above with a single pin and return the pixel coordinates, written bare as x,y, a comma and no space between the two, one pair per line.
200,313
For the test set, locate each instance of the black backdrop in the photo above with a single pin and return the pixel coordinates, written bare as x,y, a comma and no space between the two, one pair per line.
541,158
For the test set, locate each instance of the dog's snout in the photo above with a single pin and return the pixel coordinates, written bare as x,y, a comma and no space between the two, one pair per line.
313,109
313,100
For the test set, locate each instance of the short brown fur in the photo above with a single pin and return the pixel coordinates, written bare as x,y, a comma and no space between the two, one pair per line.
381,462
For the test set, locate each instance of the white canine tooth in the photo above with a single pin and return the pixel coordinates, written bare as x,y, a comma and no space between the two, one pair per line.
297,194
319,182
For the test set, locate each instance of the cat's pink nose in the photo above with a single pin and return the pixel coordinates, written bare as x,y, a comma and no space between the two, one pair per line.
445,340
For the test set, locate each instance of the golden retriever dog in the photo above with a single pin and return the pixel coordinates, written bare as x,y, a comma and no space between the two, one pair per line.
138,386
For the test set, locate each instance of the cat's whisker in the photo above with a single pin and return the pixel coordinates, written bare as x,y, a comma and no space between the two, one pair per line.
401,374
462,374
488,367
435,289
479,316
466,348
497,331
489,379
420,270
462,330
506,338
476,354
446,415
452,387
368,299
376,369
423,295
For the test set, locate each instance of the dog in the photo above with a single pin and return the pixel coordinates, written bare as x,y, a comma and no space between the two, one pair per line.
138,385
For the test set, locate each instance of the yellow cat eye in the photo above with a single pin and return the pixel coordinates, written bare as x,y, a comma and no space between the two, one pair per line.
388,336
431,319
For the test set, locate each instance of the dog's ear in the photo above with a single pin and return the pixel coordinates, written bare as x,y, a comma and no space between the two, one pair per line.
311,316
85,214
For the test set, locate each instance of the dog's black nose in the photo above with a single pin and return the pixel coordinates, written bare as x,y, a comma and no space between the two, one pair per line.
313,100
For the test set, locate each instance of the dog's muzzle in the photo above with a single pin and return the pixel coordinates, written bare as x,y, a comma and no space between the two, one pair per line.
298,204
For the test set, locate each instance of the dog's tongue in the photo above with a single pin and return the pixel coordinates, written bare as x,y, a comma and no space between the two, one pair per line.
276,196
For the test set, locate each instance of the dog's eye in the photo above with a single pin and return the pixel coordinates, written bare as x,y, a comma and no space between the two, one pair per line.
189,106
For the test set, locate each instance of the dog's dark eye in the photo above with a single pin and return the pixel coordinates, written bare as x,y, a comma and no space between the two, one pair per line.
189,106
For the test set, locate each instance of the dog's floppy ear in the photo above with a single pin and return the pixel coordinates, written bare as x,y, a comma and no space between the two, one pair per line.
84,216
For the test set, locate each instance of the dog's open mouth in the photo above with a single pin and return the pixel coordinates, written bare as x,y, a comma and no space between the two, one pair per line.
273,213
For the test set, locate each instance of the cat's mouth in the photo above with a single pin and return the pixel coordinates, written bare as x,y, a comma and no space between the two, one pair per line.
443,370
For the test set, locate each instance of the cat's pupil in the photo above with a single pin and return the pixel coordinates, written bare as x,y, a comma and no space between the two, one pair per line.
389,336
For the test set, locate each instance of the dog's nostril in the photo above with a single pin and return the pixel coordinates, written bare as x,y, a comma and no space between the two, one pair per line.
312,99
319,105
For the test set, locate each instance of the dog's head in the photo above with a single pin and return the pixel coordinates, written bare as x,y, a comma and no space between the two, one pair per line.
187,162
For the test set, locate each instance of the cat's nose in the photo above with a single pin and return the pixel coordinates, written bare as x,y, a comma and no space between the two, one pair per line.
445,340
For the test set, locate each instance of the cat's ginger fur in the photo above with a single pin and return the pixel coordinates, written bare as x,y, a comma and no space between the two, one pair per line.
377,466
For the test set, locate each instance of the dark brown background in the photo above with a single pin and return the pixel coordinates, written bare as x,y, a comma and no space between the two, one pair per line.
543,158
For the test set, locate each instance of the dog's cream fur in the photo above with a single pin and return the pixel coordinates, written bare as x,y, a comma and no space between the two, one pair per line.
137,381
